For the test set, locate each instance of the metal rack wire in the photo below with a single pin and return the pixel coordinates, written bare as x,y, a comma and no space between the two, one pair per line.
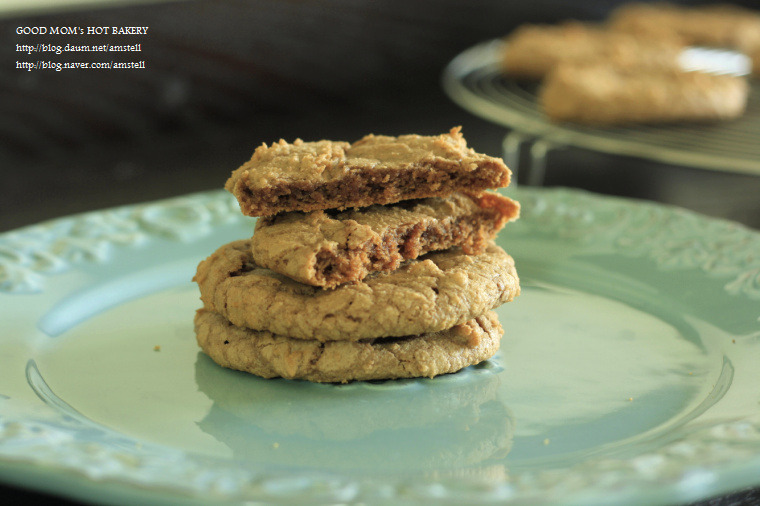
474,81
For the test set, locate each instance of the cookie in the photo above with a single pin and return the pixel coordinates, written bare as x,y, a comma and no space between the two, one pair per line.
603,95
328,249
430,294
378,169
708,25
532,51
269,355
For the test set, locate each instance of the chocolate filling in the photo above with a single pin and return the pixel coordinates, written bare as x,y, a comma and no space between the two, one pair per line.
471,233
361,188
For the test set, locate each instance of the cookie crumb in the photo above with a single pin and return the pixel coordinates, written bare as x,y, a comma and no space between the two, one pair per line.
157,348
630,399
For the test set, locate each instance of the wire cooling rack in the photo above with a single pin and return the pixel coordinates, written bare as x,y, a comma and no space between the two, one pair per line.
474,81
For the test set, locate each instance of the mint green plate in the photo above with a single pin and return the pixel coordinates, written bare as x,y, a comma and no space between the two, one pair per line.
629,371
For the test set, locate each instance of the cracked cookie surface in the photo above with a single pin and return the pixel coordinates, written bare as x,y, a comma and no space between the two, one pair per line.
432,293
331,248
377,169
269,355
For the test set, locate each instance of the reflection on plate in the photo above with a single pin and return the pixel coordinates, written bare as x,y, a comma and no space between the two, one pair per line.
628,371
457,421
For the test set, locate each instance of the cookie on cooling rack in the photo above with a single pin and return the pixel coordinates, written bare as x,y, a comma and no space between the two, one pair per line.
604,95
532,51
710,25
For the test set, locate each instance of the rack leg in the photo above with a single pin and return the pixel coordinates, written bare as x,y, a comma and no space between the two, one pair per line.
539,151
533,169
511,148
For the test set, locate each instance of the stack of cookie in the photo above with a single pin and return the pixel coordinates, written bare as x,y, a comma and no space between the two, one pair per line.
371,260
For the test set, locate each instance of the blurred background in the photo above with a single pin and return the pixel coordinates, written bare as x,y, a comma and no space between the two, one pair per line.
223,76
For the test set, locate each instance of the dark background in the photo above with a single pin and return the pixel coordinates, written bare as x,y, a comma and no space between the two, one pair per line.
224,76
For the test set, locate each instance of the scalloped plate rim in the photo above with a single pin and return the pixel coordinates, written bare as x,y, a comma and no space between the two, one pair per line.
724,478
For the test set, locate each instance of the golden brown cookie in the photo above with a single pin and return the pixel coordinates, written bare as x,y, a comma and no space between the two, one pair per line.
719,25
377,169
328,249
603,95
268,355
430,294
532,51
